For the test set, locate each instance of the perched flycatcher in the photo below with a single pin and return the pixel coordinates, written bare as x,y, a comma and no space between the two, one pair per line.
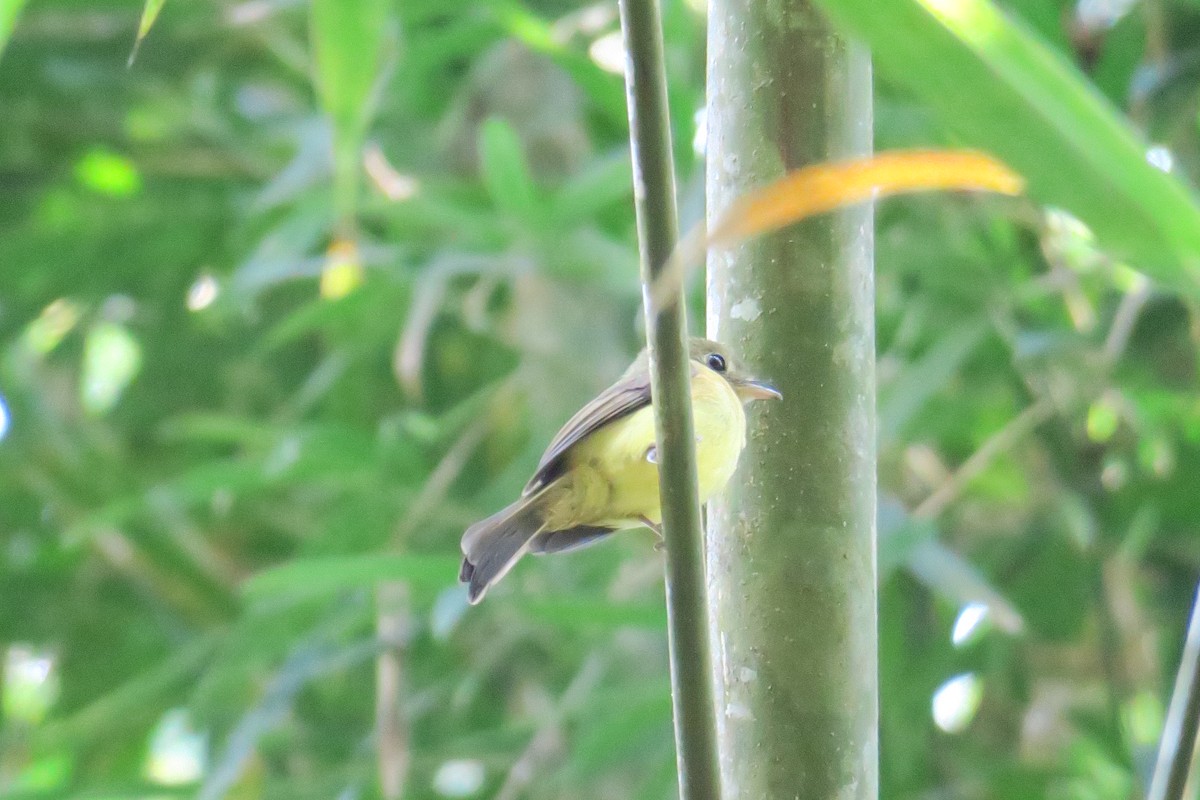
600,475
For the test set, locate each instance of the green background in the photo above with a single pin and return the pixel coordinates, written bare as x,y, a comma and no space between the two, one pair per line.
303,291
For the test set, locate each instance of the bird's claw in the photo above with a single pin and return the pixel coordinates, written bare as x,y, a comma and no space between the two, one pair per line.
661,544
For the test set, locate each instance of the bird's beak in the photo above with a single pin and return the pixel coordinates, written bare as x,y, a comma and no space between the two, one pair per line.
758,390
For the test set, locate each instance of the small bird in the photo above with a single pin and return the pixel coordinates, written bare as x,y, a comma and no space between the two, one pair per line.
600,473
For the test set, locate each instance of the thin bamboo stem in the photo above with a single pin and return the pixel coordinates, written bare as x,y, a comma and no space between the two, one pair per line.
1177,748
666,325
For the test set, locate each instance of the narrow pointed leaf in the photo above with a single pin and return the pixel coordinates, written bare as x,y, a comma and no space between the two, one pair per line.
307,577
825,187
348,38
505,171
348,45
149,15
9,11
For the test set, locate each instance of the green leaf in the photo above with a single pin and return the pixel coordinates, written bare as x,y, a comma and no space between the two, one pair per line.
348,38
913,542
111,360
998,86
307,577
505,171
903,397
571,612
217,429
603,185
956,579
622,729
149,14
899,534
348,46
9,11
137,701
1054,560
522,24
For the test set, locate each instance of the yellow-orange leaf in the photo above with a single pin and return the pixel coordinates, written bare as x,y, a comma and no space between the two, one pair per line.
825,187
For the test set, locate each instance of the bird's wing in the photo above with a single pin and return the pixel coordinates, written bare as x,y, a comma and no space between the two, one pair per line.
621,399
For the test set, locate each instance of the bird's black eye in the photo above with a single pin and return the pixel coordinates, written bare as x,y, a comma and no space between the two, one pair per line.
716,362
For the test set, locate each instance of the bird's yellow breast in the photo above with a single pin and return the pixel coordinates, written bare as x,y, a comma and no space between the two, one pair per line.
611,481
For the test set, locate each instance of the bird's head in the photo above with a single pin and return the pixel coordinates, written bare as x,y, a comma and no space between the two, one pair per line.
716,357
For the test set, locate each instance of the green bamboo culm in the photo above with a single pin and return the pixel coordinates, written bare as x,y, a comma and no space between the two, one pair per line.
791,543
666,326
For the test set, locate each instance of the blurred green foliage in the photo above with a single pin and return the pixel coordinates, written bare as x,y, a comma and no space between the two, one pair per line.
291,300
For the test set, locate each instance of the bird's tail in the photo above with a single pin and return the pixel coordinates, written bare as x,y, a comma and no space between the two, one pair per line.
490,547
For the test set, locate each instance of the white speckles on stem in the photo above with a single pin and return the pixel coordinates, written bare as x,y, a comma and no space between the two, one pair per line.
849,791
730,166
844,353
746,310
737,711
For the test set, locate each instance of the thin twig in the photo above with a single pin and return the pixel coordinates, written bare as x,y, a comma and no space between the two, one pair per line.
1020,426
408,359
391,717
393,623
1124,320
1178,744
1109,650
999,442
446,472
524,769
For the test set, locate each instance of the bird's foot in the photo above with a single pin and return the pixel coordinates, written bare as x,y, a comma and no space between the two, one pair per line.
661,544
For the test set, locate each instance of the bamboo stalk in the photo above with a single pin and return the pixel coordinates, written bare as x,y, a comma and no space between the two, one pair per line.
666,325
791,556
